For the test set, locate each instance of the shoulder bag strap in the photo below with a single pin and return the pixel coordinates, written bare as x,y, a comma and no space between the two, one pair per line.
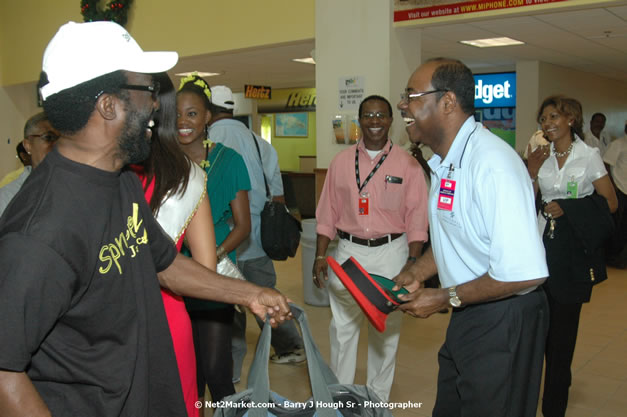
262,171
210,167
320,375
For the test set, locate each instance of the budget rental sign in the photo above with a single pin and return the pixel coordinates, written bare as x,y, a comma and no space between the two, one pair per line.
495,90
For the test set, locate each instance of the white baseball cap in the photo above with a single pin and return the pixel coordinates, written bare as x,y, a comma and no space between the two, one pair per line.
80,52
222,96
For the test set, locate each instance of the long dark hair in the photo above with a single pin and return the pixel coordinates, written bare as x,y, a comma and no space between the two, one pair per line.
167,163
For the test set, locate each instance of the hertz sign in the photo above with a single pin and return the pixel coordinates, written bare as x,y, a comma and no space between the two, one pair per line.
289,100
258,92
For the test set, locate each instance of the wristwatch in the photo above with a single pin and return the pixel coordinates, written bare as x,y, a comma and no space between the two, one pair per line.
453,298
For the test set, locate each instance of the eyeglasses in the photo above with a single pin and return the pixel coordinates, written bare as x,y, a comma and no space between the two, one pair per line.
406,97
378,115
152,89
47,136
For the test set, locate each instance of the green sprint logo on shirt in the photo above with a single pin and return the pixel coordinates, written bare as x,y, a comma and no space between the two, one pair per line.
127,243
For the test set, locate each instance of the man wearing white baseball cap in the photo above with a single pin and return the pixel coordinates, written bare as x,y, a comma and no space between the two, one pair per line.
222,96
82,328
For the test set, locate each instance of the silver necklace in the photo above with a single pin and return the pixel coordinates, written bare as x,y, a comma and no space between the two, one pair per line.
563,154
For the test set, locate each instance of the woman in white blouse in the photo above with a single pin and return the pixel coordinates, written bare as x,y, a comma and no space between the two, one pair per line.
563,170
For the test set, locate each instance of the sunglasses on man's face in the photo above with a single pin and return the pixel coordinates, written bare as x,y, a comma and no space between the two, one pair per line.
152,89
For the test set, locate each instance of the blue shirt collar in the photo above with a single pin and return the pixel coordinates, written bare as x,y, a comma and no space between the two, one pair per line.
454,155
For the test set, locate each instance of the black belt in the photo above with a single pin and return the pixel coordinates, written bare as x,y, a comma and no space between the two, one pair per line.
368,242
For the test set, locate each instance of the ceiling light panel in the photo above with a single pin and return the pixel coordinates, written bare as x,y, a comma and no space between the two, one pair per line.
199,73
309,60
492,42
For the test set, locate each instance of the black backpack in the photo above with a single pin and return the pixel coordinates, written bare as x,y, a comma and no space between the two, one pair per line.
280,231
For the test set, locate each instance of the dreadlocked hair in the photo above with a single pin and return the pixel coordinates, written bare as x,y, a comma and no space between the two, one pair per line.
69,110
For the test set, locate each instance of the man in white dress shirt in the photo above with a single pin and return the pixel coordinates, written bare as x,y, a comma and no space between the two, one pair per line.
616,160
595,136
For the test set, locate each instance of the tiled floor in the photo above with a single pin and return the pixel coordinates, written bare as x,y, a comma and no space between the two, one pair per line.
600,366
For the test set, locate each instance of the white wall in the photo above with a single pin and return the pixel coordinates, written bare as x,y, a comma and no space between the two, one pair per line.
243,105
596,94
17,104
537,80
527,101
405,57
352,39
356,38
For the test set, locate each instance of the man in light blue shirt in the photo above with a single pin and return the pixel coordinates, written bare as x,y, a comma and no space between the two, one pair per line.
485,248
256,266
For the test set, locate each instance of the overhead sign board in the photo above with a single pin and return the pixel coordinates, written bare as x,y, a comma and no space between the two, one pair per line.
408,10
495,90
289,100
259,92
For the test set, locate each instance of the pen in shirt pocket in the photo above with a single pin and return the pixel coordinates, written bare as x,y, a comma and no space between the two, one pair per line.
392,180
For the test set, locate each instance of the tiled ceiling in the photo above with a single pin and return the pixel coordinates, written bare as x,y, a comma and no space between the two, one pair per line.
589,39
269,66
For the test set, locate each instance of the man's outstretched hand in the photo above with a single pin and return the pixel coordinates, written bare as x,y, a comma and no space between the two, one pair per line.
267,301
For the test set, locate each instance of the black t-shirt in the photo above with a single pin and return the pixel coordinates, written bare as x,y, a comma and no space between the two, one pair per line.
80,307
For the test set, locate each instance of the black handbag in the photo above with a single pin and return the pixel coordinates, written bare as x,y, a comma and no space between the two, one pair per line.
280,231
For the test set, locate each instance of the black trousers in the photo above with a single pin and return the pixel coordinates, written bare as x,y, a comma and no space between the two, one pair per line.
212,341
560,348
491,360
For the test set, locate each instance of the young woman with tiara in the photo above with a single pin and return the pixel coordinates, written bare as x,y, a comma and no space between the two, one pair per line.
227,186
175,190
